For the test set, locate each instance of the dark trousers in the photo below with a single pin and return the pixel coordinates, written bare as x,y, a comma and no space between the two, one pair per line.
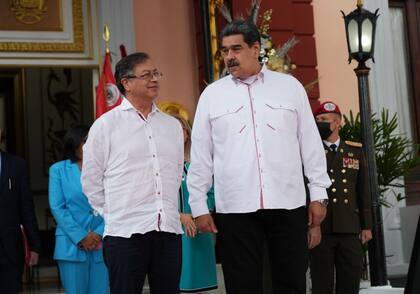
241,242
342,252
10,274
155,254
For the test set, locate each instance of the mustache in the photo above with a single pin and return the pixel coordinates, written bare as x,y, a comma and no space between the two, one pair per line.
232,62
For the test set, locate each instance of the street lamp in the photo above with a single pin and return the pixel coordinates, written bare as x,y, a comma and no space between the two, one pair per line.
360,33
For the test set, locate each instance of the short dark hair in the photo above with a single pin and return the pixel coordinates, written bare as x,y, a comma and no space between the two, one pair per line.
242,27
125,67
72,140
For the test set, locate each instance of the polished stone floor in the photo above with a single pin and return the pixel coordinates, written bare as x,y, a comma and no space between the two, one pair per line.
48,283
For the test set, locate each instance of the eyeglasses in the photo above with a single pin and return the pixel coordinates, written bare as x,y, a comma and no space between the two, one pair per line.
147,76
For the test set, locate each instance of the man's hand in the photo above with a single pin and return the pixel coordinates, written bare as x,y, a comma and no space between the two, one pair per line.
188,222
314,236
205,224
316,213
91,241
366,236
34,258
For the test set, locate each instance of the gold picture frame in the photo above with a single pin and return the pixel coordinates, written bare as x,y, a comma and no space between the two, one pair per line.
76,46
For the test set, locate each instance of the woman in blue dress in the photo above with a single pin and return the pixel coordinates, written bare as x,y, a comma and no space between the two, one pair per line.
78,237
198,253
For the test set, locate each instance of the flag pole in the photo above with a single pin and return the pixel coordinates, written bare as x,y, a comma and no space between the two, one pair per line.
106,37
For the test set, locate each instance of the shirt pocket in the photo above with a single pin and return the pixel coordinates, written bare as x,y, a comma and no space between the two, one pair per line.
228,120
281,117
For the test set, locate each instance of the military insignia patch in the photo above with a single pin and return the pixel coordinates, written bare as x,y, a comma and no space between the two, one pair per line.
350,163
329,106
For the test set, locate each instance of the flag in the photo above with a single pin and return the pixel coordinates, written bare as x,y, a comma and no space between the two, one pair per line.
107,94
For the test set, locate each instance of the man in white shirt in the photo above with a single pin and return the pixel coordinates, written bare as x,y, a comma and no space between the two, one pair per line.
132,171
253,131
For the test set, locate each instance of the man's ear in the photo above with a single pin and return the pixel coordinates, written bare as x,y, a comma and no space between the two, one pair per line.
257,47
124,83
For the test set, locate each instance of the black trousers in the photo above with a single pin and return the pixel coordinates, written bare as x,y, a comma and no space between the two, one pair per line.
155,254
241,243
342,252
10,273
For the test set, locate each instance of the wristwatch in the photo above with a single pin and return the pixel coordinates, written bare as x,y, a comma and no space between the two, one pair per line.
323,202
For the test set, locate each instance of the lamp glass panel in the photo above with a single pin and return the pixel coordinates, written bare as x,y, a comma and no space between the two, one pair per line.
367,29
353,36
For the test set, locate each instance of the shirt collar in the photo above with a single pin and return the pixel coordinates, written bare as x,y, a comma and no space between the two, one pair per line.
126,105
336,143
258,76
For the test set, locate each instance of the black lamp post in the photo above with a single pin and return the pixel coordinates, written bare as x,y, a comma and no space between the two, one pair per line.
360,32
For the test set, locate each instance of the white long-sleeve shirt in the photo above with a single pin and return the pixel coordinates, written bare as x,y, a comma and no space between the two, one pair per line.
132,170
255,138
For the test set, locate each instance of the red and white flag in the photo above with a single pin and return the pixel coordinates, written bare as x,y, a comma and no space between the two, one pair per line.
107,94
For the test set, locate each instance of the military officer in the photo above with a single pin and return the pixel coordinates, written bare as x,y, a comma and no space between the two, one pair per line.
348,221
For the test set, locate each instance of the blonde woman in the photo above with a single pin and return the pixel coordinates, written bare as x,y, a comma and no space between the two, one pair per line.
198,256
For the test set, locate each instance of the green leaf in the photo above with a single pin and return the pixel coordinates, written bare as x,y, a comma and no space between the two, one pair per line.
395,154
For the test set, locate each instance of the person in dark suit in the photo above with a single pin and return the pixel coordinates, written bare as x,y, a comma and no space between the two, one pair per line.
16,209
348,221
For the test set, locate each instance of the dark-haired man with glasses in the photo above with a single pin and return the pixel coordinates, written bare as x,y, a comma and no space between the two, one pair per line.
131,174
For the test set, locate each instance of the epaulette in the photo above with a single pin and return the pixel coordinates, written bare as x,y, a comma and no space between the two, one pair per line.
354,144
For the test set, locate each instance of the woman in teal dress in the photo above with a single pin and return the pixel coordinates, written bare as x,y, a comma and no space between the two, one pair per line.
198,253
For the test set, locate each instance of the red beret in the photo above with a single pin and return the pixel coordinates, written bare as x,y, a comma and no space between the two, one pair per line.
327,107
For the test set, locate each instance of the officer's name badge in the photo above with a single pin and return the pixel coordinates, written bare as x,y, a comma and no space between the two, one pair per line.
350,163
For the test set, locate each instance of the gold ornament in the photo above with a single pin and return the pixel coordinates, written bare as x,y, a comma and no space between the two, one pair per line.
174,108
28,11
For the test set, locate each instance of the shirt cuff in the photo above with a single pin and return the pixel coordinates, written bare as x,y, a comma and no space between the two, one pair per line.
318,193
199,209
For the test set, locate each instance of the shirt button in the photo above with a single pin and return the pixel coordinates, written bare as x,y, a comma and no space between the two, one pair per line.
159,193
154,155
157,174
150,137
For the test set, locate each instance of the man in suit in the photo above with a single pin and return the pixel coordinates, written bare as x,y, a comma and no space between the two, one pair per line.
348,221
16,209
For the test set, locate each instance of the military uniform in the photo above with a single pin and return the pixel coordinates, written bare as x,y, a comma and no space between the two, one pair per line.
348,213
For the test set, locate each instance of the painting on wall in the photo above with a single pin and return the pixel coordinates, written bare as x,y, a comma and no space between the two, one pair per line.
62,110
31,15
44,25
60,99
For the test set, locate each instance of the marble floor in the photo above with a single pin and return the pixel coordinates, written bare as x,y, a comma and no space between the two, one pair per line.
49,284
